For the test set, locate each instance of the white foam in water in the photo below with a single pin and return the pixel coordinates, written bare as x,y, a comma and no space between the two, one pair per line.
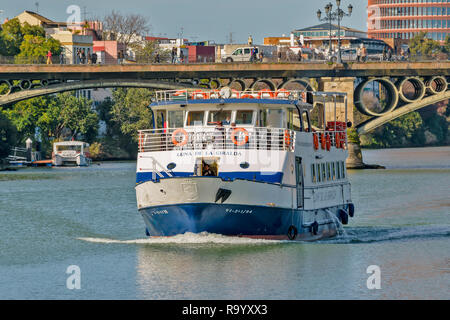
187,238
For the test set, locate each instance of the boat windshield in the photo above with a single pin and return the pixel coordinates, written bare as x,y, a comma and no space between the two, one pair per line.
244,117
195,118
223,117
69,148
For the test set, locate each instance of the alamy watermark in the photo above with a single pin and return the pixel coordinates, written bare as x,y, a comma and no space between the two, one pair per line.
74,279
74,18
374,280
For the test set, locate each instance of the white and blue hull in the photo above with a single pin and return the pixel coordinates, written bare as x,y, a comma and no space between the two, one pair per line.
252,209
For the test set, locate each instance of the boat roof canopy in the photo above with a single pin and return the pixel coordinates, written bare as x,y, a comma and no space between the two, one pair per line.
70,143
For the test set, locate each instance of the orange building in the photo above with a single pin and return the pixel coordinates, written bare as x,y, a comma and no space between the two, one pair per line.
403,19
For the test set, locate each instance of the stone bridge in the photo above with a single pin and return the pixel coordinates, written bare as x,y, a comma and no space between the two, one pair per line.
402,87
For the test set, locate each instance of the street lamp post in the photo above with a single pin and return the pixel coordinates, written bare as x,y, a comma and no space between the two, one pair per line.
336,15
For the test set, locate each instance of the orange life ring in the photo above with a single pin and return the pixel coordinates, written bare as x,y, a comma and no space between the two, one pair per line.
328,141
266,91
283,92
287,137
247,96
323,142
316,141
235,132
185,137
199,92
180,93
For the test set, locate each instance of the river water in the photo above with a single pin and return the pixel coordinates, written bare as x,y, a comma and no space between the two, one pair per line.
52,218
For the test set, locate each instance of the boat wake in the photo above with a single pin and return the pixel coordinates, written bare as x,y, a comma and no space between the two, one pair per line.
381,234
187,238
349,236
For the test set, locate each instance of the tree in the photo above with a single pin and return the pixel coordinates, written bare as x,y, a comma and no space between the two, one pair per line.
125,28
7,135
447,44
11,37
405,130
34,49
13,34
420,45
146,51
131,111
69,112
24,115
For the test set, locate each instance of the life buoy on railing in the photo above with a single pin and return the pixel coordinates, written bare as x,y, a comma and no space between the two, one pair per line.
242,142
316,141
266,91
180,93
182,142
199,93
247,96
287,138
323,142
282,93
328,142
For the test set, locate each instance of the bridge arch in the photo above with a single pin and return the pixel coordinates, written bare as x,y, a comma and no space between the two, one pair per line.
374,123
88,84
302,81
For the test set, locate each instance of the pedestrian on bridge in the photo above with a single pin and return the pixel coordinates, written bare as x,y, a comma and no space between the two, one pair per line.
49,57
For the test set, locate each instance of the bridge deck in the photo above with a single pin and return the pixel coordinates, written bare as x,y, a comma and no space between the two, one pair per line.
247,70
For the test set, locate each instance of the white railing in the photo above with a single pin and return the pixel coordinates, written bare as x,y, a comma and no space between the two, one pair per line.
223,138
199,94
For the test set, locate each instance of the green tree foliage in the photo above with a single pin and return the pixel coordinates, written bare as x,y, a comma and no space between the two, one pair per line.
131,111
447,44
420,45
34,49
25,115
7,135
28,43
69,112
11,37
406,130
147,51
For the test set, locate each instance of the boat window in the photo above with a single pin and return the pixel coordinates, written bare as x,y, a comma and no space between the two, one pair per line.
343,169
333,171
324,172
274,118
160,119
319,175
195,118
262,118
221,116
69,148
328,171
175,119
306,122
244,117
313,173
293,121
338,167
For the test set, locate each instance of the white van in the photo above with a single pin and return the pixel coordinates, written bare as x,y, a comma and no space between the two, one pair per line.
243,54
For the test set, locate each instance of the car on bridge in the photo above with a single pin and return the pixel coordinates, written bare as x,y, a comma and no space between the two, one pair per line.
243,54
349,55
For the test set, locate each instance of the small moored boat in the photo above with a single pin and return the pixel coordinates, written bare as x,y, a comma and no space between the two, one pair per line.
71,153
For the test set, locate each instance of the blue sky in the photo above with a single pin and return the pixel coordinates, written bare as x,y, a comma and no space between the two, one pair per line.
202,19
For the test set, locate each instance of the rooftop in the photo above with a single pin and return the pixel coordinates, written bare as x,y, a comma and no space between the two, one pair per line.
326,26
